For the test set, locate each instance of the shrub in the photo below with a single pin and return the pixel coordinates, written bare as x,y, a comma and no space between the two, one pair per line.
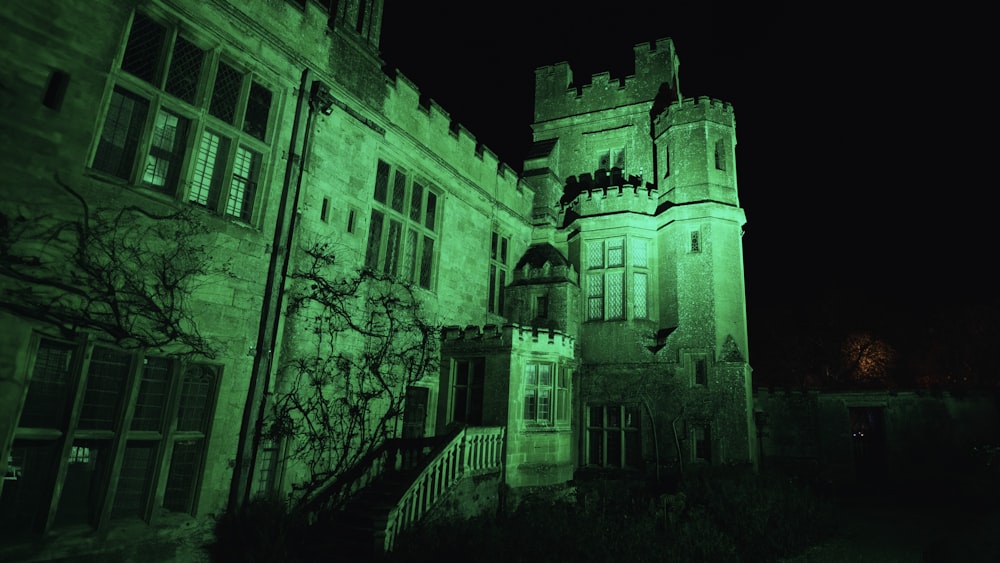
260,531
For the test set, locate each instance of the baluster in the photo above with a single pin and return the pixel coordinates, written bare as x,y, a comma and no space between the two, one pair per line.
478,448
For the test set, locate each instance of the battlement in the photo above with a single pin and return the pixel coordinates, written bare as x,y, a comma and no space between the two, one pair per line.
510,336
692,110
557,95
625,197
428,123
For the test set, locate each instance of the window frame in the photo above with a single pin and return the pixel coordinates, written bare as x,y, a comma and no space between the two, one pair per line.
611,158
618,265
720,155
499,271
105,443
404,254
472,390
627,436
558,392
127,160
702,446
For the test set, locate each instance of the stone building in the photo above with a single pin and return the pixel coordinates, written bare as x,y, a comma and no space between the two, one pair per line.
167,161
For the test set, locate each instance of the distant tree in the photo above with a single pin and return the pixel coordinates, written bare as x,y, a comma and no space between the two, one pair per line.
866,359
125,273
360,340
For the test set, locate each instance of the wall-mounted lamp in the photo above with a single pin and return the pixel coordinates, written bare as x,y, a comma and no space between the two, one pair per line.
321,99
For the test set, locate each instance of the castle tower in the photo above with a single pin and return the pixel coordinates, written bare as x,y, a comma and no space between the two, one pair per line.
701,256
638,190
700,245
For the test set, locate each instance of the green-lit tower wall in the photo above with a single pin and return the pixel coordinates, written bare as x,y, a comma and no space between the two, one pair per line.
639,191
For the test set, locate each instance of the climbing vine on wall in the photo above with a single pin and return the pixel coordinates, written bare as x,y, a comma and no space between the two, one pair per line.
125,273
358,340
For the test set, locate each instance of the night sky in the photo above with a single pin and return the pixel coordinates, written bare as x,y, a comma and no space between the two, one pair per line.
867,203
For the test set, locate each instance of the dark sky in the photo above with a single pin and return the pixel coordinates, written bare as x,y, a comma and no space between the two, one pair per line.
864,193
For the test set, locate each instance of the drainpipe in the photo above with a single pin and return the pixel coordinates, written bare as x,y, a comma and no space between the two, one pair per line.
250,428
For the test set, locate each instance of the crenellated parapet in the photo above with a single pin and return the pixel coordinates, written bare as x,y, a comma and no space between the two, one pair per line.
693,110
509,336
429,124
557,95
622,198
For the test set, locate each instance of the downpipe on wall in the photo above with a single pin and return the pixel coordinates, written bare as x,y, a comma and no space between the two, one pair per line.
253,411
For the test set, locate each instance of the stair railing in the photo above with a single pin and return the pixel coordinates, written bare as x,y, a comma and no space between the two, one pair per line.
473,451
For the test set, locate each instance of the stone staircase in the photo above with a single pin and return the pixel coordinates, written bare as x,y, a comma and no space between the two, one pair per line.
402,483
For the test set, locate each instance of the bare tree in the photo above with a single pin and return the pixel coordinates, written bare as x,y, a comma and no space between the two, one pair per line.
866,358
126,273
359,341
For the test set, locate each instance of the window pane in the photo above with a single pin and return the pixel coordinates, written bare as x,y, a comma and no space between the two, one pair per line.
530,406
25,499
595,444
531,374
461,403
193,413
398,191
616,253
48,392
604,160
614,417
545,374
426,261
595,254
209,170
476,392
120,135
134,480
614,457
185,70
374,240
430,215
243,188
152,397
491,304
81,491
416,201
640,309
544,405
226,93
595,296
392,248
144,48
267,462
381,181
166,151
616,296
185,467
596,416
410,255
703,443
258,110
639,253
500,293
105,381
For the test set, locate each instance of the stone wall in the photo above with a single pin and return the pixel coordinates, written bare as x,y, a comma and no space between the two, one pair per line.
918,436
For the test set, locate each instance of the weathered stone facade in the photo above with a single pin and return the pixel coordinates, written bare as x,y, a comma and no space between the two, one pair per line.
607,278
